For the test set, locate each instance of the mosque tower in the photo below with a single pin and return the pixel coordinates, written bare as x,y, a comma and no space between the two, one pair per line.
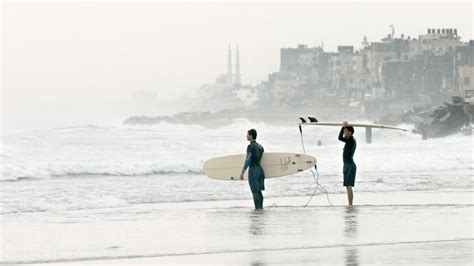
237,68
229,67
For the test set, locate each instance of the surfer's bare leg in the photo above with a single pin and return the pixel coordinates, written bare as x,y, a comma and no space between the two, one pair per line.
350,195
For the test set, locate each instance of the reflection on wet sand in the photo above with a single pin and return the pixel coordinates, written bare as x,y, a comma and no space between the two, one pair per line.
351,233
257,222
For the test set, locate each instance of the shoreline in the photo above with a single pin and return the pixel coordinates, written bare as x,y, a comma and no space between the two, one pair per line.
361,199
441,251
381,226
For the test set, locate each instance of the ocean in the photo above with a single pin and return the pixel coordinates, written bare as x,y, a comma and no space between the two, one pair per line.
92,175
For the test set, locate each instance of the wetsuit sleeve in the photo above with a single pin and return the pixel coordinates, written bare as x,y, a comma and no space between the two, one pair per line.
341,135
247,162
353,148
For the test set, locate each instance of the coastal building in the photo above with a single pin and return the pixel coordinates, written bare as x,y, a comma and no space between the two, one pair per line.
387,50
349,73
434,64
297,60
465,70
466,80
439,41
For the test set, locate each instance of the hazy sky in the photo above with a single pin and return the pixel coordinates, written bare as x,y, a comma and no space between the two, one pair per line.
86,59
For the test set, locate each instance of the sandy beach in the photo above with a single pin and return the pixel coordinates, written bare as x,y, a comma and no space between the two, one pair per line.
394,227
112,113
129,195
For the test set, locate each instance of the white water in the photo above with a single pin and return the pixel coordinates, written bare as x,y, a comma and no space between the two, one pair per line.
96,166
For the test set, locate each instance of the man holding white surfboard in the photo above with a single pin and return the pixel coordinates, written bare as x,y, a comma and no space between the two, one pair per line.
256,174
350,168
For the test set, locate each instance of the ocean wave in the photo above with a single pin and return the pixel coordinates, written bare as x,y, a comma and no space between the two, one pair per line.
165,164
20,172
69,202
75,194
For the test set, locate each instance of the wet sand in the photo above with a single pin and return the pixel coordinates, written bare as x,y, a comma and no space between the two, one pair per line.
393,227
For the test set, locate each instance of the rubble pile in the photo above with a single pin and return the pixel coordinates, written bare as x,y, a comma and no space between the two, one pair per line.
434,122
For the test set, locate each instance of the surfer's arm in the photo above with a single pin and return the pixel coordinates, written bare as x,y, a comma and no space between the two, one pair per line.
246,165
341,135
247,162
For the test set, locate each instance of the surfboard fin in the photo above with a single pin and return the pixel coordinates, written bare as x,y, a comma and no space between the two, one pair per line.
302,120
312,119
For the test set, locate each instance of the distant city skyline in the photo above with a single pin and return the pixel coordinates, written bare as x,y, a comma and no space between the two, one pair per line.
83,57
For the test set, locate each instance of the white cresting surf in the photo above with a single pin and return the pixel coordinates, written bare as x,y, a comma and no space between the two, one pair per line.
96,166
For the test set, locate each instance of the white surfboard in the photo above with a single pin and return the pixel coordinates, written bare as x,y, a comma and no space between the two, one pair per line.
273,164
339,124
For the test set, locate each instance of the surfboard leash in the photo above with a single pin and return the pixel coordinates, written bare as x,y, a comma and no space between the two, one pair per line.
316,179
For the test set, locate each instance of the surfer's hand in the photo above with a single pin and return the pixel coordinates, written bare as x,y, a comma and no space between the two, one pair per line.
242,176
345,123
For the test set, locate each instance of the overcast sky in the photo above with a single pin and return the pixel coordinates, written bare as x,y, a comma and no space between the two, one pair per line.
79,57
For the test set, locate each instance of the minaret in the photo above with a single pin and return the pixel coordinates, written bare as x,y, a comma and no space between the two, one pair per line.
229,67
237,67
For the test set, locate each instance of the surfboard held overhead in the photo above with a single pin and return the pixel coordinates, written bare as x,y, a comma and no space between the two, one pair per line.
368,127
339,124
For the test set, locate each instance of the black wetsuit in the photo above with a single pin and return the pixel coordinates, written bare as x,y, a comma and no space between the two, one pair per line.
350,168
256,174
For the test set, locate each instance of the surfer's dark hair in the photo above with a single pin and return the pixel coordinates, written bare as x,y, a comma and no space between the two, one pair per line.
351,129
252,132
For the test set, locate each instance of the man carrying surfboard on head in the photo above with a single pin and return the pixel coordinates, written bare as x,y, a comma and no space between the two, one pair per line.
256,174
350,168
